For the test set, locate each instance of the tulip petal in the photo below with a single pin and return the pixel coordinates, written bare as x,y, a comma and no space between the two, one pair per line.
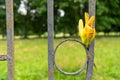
80,26
91,20
87,32
86,17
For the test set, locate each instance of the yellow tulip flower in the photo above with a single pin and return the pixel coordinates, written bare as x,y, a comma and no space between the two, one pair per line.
87,32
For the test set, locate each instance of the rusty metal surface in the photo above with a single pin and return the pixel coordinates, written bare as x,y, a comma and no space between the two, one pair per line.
10,39
90,52
50,16
3,57
70,73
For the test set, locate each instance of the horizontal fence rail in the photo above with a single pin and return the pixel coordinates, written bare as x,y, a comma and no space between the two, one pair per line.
3,57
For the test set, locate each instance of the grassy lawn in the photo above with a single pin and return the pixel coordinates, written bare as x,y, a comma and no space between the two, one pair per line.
31,59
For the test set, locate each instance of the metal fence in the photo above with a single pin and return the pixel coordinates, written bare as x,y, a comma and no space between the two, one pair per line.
10,40
51,53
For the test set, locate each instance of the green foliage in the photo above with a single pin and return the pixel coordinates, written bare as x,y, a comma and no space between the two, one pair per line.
73,11
107,16
2,18
31,60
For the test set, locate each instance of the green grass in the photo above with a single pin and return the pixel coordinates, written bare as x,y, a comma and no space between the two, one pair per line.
31,59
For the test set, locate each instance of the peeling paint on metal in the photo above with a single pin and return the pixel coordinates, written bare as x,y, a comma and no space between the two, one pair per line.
10,38
3,57
50,15
90,52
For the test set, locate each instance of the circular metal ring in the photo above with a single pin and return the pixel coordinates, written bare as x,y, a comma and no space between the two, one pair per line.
70,73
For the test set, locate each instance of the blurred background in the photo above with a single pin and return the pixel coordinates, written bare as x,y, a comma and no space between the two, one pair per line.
30,17
30,29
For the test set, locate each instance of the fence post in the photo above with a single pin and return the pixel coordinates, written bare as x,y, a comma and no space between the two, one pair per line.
50,16
10,41
91,50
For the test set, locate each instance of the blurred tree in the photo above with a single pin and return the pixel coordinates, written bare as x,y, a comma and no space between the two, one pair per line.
108,15
2,18
39,17
32,18
73,11
33,21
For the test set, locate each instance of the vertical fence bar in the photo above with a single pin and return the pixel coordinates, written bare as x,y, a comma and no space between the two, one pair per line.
92,4
50,15
10,41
